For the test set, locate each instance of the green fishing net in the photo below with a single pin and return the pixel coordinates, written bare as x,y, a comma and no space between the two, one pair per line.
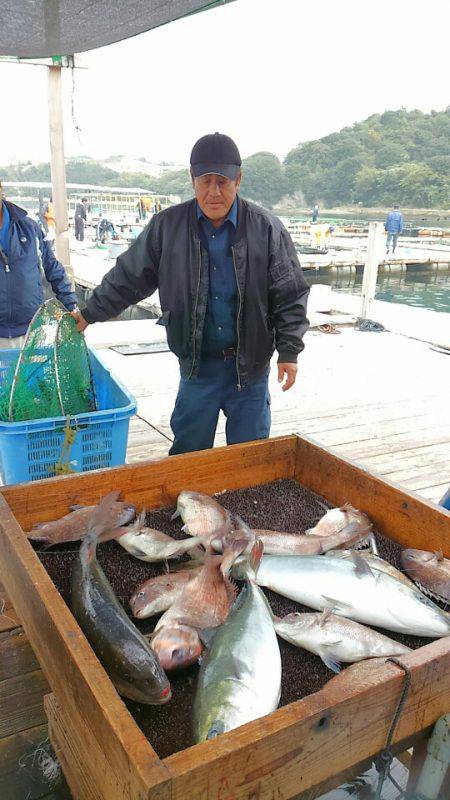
52,375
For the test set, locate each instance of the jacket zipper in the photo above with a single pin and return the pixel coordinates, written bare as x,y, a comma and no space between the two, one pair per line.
239,386
196,305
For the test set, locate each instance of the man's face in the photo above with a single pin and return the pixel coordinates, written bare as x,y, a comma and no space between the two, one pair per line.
215,195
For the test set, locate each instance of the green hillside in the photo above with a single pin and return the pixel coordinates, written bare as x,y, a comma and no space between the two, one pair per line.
396,157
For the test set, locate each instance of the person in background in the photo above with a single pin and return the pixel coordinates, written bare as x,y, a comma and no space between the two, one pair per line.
157,206
445,500
24,255
105,229
231,292
80,219
49,216
393,227
141,208
315,213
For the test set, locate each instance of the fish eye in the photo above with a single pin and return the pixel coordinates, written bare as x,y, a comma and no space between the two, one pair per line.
140,594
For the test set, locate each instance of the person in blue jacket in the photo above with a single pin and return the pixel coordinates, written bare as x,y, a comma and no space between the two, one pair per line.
393,227
24,256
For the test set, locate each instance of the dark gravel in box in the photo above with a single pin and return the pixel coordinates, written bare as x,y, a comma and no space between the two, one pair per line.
283,505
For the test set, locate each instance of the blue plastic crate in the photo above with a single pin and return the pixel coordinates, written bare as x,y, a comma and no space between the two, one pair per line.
30,450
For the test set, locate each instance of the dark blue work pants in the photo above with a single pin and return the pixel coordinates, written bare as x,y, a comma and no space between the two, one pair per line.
199,400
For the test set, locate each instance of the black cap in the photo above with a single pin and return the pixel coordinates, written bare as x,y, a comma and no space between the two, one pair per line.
215,154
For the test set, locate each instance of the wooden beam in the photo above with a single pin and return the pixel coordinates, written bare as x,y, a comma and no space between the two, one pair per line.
58,168
373,258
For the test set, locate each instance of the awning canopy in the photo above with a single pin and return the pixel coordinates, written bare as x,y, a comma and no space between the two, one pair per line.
45,28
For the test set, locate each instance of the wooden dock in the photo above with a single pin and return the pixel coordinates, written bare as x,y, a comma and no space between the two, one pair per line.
378,398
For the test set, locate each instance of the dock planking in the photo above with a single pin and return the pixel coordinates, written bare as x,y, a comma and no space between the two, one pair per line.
378,398
23,724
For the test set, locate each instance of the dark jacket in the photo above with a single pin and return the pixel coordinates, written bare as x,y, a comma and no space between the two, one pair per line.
168,255
80,211
21,291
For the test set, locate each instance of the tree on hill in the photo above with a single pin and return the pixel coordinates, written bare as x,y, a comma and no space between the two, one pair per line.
395,156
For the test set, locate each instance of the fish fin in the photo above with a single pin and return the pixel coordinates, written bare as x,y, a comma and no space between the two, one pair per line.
76,507
362,568
184,527
206,635
256,555
439,555
240,667
330,662
138,524
338,605
175,515
326,614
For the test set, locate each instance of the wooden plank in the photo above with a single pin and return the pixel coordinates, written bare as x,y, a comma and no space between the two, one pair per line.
78,774
128,764
305,743
391,443
21,702
82,770
397,513
21,776
8,616
16,654
146,484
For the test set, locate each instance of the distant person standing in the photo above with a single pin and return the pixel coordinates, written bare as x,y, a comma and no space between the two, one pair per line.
393,227
315,214
80,219
49,216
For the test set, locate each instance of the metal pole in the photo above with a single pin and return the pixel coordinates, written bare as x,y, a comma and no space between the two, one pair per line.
373,257
58,167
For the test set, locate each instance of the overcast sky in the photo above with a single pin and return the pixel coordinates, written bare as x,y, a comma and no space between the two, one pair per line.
270,73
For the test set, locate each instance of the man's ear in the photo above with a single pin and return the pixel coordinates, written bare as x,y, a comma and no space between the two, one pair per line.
238,179
192,178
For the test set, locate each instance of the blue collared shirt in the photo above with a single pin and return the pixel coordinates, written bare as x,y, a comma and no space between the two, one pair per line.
219,330
4,230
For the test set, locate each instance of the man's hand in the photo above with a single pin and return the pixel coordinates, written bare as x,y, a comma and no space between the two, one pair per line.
81,322
289,371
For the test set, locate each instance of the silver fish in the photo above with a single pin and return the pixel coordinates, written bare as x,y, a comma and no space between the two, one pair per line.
153,546
373,561
354,589
240,675
335,638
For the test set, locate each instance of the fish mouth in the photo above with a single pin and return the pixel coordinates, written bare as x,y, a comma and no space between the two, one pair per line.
164,697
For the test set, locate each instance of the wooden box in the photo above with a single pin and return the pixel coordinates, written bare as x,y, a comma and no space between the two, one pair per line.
294,751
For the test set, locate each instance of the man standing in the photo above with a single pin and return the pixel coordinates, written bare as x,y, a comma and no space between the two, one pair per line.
80,219
231,291
393,227
315,214
24,252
